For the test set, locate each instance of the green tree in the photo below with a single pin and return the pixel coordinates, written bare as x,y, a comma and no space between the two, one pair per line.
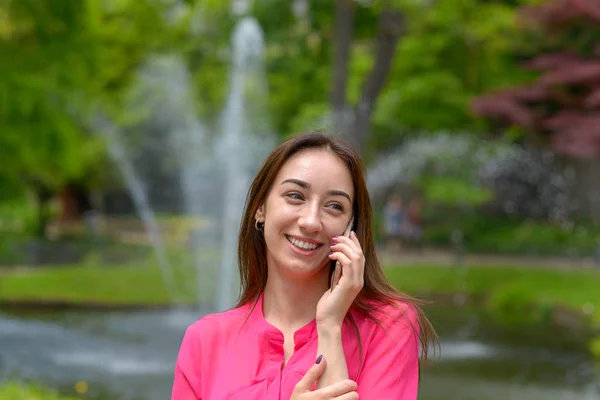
455,50
415,65
59,58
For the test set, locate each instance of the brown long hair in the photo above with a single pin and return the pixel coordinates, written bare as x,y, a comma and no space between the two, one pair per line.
252,262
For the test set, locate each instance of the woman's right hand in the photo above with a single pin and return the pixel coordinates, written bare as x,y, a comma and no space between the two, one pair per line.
343,390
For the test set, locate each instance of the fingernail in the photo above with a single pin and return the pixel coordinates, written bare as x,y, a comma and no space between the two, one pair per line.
335,236
331,252
319,359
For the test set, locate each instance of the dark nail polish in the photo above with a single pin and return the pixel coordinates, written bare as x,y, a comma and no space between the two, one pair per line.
319,359
331,252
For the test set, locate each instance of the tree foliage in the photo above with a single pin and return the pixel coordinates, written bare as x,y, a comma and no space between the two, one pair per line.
66,56
560,107
60,58
63,57
454,51
449,52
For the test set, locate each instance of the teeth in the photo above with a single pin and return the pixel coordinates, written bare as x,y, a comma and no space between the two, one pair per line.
301,244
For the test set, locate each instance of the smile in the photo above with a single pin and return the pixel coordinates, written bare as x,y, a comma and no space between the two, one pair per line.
301,244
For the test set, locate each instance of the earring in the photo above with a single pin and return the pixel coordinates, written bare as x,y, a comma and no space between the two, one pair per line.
259,225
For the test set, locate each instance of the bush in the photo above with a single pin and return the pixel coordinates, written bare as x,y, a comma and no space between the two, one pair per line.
595,348
488,234
518,306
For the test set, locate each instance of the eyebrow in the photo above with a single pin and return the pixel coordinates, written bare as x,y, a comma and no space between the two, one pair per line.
306,185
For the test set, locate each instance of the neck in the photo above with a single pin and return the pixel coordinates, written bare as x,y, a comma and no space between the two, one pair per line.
289,304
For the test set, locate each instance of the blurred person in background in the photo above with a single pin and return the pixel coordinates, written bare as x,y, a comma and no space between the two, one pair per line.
414,223
292,335
394,219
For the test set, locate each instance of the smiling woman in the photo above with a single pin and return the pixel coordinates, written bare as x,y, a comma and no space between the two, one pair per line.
291,335
301,214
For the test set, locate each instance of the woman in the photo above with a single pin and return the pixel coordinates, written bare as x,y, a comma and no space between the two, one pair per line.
291,336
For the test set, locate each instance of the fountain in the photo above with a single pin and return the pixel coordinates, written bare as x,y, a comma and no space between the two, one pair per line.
212,172
140,198
443,153
245,142
526,181
164,88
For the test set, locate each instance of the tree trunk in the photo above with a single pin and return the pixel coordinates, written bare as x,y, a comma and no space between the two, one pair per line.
341,114
43,197
587,189
390,28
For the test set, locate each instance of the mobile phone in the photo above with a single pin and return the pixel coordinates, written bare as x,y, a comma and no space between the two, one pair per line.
336,268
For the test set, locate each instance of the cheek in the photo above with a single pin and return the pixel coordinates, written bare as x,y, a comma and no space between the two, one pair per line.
275,221
280,214
335,228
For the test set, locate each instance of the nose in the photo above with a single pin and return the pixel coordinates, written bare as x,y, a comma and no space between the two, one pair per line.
310,220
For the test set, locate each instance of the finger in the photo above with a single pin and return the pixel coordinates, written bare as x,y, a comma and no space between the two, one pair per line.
345,269
337,389
348,250
351,241
337,273
354,239
342,239
348,396
311,376
356,267
342,258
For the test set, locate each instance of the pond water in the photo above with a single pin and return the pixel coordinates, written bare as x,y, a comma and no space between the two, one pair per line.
130,356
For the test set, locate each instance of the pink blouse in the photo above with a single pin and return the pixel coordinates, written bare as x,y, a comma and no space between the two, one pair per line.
223,356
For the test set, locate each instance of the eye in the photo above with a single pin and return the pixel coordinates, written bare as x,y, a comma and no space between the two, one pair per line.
294,196
336,206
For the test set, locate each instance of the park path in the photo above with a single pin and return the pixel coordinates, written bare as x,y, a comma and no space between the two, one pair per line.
448,258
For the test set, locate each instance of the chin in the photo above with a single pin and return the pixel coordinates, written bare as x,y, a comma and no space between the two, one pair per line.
303,270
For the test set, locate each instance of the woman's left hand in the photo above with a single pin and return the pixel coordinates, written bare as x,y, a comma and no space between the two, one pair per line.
334,304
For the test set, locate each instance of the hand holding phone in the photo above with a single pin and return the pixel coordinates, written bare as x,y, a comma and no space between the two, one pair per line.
337,268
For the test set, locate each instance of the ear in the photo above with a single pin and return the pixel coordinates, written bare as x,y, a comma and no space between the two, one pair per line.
260,213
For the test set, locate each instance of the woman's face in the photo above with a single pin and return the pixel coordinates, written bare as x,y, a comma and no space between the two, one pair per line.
310,201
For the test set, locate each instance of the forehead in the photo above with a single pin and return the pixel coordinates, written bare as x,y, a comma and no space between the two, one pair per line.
320,168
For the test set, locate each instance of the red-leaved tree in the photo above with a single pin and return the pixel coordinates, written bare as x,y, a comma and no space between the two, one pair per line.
562,106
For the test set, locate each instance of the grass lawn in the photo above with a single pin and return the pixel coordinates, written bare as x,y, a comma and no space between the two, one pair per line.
136,284
573,288
17,391
126,285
